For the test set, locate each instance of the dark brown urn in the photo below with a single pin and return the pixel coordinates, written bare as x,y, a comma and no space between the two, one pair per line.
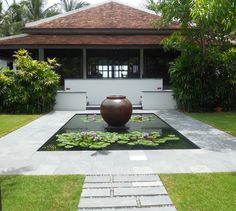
116,110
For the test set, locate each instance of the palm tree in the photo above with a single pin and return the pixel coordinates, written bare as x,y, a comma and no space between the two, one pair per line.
68,5
34,9
11,19
1,12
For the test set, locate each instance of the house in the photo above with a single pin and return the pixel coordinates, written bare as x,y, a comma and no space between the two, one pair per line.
104,49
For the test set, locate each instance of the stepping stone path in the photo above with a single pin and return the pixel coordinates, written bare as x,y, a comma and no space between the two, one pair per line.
124,193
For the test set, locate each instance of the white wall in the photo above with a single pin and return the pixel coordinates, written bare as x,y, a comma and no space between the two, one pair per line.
70,101
158,100
3,63
98,89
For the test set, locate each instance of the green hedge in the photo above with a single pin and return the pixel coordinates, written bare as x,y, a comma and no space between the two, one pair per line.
31,88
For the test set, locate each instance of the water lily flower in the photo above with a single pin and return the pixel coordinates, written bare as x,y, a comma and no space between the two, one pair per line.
145,135
94,117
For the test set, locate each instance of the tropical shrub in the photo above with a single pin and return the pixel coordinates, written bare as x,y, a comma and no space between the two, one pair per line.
31,88
5,83
201,83
203,77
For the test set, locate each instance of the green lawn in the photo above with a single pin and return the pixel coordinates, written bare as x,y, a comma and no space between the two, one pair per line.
9,123
225,121
41,193
202,192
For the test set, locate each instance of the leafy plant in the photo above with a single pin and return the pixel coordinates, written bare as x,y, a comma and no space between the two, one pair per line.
100,140
31,88
134,118
203,76
91,118
141,118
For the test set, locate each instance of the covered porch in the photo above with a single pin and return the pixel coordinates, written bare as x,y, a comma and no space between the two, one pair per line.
90,73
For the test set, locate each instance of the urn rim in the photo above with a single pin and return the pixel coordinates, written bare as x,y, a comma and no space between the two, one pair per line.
112,97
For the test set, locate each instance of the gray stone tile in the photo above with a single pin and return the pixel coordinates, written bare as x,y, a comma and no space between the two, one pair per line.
140,191
162,208
97,179
136,178
147,184
107,202
108,185
200,169
155,200
143,170
137,155
95,193
42,170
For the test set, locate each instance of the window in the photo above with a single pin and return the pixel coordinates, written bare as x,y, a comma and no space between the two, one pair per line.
156,64
70,61
113,64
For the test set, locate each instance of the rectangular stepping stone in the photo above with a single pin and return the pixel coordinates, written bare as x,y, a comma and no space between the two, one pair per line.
135,178
147,184
113,202
141,191
95,193
155,200
108,185
166,208
103,178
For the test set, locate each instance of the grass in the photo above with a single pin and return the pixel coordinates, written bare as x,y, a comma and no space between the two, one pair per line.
41,193
225,121
9,123
202,192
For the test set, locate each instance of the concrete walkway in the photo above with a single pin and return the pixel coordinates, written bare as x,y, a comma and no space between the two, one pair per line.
124,193
19,155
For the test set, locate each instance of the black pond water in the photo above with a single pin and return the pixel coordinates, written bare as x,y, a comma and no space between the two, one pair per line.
145,123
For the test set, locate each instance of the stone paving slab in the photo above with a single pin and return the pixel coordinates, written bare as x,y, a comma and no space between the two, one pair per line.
108,185
107,202
147,184
155,200
124,192
166,208
97,179
123,184
95,193
136,178
140,191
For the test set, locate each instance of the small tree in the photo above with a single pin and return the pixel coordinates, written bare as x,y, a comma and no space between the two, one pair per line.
206,66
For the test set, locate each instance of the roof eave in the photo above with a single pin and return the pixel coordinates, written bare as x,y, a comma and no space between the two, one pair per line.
97,31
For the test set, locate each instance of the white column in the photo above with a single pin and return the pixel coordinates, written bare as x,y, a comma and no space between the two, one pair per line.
141,62
84,63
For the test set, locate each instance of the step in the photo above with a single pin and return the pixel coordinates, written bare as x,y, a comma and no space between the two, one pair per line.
124,193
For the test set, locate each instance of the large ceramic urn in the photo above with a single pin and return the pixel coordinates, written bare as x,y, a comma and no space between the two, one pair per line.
116,110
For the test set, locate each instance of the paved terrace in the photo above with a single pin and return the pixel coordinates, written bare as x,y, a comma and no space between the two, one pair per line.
19,155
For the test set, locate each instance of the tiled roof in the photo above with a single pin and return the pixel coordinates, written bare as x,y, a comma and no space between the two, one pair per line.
110,15
84,40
